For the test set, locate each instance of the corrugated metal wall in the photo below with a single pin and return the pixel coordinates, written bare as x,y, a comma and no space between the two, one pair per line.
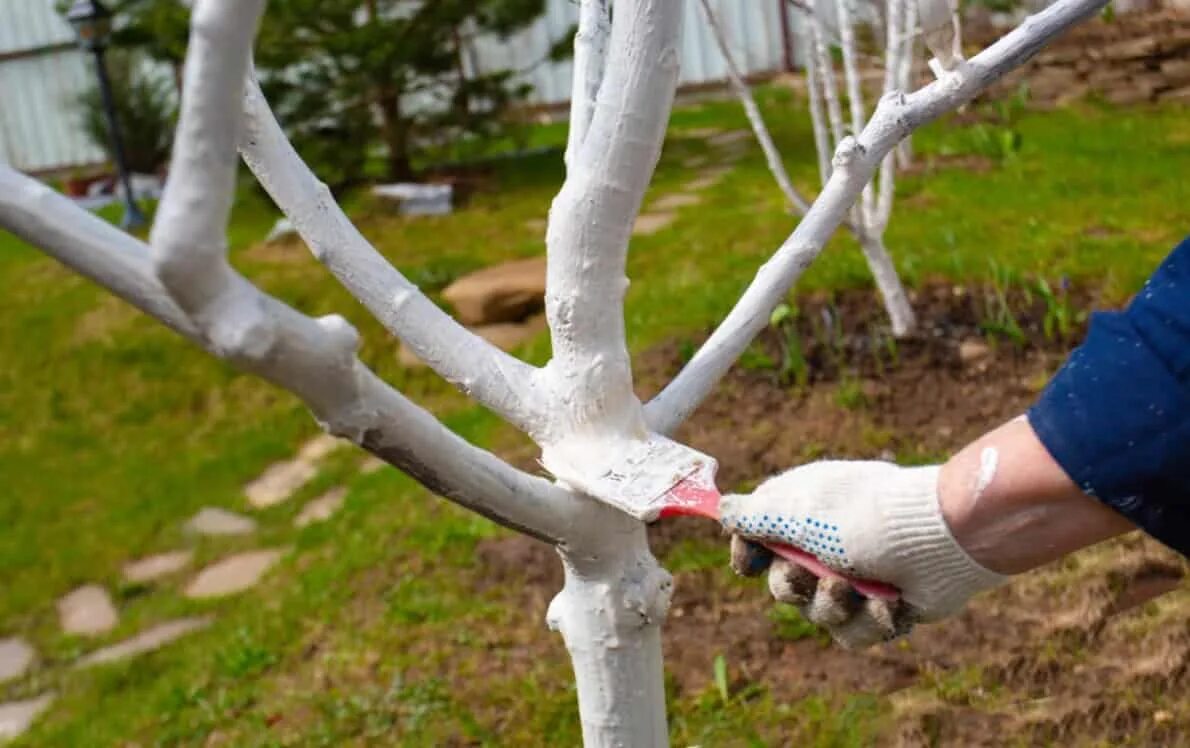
754,27
41,72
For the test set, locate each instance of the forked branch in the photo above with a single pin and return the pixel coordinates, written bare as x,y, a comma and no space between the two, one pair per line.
855,161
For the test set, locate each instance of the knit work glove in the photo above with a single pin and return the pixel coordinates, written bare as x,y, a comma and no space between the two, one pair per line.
872,520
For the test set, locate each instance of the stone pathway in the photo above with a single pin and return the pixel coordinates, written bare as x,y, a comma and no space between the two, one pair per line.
17,716
676,201
152,568
87,611
371,464
648,224
16,657
146,641
322,508
231,575
281,480
217,522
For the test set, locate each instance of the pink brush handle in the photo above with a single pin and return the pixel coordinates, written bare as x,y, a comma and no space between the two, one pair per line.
687,498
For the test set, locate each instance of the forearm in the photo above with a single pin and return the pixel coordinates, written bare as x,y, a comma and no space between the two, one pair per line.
1013,508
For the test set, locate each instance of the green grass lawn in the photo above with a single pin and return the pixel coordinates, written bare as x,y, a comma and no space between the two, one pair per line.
113,432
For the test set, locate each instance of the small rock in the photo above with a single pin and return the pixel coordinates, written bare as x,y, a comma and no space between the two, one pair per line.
502,293
418,199
152,568
278,482
88,611
17,716
675,201
322,508
233,574
319,447
215,521
972,351
371,464
146,641
15,658
730,137
650,223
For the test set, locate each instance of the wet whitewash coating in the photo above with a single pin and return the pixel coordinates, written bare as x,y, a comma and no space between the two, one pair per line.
616,595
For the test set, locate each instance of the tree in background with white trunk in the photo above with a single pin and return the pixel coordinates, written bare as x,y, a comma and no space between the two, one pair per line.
615,596
828,23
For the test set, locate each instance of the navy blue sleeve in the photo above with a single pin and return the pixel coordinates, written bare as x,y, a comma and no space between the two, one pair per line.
1116,417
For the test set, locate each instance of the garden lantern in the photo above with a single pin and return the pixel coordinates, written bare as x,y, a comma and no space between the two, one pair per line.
92,25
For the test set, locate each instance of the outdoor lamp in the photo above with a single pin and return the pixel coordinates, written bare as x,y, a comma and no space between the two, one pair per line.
92,23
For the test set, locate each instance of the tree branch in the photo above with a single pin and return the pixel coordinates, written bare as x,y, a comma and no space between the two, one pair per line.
854,163
313,358
590,59
592,216
771,155
501,382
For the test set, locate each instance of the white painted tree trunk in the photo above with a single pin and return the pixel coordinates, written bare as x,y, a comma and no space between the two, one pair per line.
615,596
821,85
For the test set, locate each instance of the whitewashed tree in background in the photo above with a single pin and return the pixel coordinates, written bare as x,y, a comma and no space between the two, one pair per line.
829,22
615,596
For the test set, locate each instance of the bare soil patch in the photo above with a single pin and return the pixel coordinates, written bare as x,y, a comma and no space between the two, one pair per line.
1093,649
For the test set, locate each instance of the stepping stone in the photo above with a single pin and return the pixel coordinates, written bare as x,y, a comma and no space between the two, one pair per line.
650,223
708,178
675,201
278,482
537,225
152,568
509,335
15,658
319,447
322,508
146,641
695,162
700,133
216,521
730,137
17,716
371,464
508,292
233,574
88,611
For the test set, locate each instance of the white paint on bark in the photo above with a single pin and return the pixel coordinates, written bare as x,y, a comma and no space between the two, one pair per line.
615,597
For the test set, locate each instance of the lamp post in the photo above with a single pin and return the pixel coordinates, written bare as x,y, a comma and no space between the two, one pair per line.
92,25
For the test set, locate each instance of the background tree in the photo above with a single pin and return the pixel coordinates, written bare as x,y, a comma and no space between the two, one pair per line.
145,108
582,403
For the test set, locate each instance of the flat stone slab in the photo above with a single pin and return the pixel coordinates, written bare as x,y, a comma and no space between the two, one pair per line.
16,656
152,568
706,178
675,201
279,481
216,521
730,137
371,464
320,447
322,508
650,223
232,574
88,611
17,716
146,641
508,292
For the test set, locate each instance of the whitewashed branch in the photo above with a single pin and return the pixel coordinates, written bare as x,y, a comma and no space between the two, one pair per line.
743,91
855,97
822,140
855,160
313,358
898,46
503,383
590,59
591,221
825,67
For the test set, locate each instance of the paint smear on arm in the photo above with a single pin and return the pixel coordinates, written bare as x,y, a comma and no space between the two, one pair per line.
988,459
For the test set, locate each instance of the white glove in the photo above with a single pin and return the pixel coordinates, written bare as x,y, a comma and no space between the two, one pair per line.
872,520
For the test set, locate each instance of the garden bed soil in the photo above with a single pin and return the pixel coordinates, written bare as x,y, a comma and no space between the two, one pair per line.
1093,649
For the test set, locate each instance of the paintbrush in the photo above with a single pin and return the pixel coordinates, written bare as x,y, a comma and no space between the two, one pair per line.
656,477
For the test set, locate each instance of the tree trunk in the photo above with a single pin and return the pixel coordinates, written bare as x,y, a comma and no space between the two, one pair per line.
395,134
889,283
609,613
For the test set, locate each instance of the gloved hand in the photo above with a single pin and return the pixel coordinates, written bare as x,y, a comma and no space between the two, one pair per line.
865,519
